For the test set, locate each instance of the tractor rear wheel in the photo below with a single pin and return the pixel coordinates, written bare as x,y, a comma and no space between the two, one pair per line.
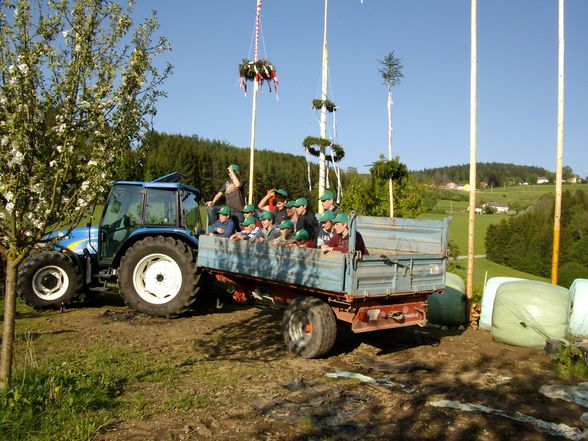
158,276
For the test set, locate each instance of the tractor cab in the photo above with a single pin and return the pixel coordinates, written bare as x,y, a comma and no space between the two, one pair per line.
134,210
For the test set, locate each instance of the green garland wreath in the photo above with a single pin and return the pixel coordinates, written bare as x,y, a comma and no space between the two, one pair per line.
260,70
318,104
311,142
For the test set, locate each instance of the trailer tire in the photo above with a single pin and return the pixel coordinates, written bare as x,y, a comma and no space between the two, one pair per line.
48,279
158,276
309,327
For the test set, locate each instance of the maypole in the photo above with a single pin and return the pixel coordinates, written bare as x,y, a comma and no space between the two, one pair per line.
254,109
257,71
323,120
560,142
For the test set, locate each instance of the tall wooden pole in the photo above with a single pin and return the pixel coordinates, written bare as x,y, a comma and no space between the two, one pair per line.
560,135
254,110
390,185
473,147
323,121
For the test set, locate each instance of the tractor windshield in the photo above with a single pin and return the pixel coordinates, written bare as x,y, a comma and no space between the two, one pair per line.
122,215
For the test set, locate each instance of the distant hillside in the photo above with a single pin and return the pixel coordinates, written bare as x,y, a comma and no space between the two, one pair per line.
495,174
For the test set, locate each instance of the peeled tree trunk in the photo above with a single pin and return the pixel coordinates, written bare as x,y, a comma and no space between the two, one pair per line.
390,184
8,328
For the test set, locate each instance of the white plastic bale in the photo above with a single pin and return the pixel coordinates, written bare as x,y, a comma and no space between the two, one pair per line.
488,299
578,326
526,313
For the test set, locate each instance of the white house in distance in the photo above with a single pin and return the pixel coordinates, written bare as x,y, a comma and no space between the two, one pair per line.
542,180
497,206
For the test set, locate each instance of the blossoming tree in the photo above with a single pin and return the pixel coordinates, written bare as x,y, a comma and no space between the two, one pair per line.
77,87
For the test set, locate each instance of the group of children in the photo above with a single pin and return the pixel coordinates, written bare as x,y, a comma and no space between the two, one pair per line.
282,221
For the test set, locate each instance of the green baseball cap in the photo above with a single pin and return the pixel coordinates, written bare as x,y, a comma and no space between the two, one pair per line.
225,210
286,224
249,221
327,216
249,208
341,217
282,192
301,235
301,202
327,195
235,167
290,204
267,215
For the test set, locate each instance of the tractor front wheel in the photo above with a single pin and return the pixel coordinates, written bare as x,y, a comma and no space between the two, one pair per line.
48,279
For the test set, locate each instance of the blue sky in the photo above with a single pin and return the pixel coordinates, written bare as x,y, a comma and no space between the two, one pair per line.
517,77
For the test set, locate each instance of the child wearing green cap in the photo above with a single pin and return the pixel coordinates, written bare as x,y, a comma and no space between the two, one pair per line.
275,202
340,241
327,230
224,226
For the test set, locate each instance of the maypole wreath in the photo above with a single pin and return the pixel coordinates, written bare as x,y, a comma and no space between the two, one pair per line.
318,104
260,71
311,142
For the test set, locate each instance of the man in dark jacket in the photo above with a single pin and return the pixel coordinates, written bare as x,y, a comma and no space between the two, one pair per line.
306,219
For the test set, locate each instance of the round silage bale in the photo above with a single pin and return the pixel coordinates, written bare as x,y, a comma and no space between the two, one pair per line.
579,316
449,308
488,295
527,312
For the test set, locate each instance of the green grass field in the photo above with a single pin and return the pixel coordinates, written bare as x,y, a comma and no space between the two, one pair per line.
523,194
458,230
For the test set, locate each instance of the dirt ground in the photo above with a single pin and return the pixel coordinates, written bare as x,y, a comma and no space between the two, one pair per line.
253,389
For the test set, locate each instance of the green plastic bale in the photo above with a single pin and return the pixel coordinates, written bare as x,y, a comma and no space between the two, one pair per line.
449,308
527,312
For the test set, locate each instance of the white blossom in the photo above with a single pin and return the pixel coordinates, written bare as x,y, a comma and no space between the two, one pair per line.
92,162
23,68
4,140
9,207
65,34
17,158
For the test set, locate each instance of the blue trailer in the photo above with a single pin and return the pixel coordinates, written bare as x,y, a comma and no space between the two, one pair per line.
386,289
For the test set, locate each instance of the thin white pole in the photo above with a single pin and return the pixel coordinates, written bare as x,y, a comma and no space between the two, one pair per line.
560,136
254,111
252,149
390,185
323,121
473,147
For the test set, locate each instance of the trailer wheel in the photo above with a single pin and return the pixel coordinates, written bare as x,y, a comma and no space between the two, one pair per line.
309,327
158,276
48,279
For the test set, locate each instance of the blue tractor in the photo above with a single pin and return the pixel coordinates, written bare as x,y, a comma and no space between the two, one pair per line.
147,242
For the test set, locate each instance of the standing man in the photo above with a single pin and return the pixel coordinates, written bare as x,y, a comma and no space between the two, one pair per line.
306,219
233,194
328,202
